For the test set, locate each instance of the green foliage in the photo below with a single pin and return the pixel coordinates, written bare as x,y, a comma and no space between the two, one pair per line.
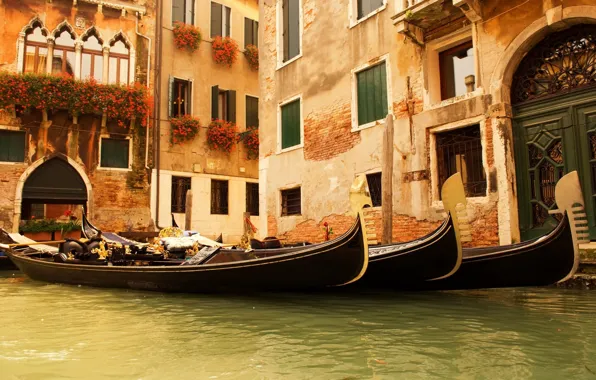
49,225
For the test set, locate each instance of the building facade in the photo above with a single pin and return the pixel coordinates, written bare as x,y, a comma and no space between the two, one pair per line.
500,91
192,84
54,156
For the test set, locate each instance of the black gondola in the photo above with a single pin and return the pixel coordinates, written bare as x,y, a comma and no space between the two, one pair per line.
544,261
337,262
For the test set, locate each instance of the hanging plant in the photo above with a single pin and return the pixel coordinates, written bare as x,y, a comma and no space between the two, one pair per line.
252,55
224,50
187,37
183,129
250,139
221,135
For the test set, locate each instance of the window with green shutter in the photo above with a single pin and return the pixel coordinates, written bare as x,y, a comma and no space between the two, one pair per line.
220,20
290,124
12,146
114,153
251,32
372,94
252,111
291,28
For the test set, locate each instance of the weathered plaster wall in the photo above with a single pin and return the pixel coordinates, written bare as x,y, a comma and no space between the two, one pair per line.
333,153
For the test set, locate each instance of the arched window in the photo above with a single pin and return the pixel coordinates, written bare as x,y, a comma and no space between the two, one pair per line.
119,62
36,50
92,58
63,60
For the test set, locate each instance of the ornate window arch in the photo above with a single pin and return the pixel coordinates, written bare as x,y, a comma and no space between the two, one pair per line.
64,55
92,55
119,61
562,62
34,47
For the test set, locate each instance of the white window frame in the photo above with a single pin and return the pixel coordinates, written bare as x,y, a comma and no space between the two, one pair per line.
130,155
279,129
359,69
279,35
353,13
223,20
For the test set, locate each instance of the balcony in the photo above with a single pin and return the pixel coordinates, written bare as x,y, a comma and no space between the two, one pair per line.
121,5
417,18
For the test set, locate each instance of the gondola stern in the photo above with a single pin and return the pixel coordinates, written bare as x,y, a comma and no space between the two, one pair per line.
363,237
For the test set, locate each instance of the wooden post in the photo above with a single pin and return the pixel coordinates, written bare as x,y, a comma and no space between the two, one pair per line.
188,213
387,181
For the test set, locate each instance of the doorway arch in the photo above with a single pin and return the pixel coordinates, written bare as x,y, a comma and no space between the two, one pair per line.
55,178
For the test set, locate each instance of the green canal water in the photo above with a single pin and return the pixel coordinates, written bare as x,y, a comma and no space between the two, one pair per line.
67,332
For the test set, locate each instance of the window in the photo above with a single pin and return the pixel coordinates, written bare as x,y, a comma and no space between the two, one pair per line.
291,202
36,50
219,197
251,32
290,29
114,153
252,112
290,124
371,95
118,64
180,97
374,185
223,104
252,198
92,58
461,151
12,146
183,11
220,20
366,7
38,211
63,60
455,65
180,185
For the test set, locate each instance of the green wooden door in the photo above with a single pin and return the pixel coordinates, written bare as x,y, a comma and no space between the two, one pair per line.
551,138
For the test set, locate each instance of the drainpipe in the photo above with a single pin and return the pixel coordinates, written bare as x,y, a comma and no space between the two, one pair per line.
157,105
148,73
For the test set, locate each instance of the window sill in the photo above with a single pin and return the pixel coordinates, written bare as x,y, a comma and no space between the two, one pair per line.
292,148
353,22
281,65
367,125
114,169
219,214
292,216
456,99
12,163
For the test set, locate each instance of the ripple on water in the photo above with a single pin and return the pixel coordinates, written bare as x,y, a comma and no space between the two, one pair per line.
52,331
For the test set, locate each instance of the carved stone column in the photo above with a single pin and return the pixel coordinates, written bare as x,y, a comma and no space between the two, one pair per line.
78,59
106,64
50,57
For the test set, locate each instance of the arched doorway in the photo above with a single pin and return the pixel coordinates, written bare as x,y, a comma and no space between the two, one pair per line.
554,104
48,187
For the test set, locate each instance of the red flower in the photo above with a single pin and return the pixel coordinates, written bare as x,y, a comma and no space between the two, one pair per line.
187,37
224,50
252,55
221,135
184,128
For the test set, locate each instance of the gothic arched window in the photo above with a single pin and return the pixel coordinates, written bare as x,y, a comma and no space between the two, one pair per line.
119,62
92,58
63,60
36,50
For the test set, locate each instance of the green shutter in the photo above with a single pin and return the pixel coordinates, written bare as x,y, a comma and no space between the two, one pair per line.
12,146
247,32
231,106
372,94
252,112
214,102
114,153
290,124
216,17
294,29
227,15
255,33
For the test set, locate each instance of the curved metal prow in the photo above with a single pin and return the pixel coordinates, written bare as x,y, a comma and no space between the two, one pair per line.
454,199
570,199
88,229
359,194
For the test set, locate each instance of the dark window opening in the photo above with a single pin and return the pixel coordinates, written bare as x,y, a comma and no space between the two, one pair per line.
372,94
12,146
368,6
252,112
291,202
223,104
374,186
252,198
291,29
114,153
461,151
180,96
219,197
455,65
251,32
220,20
180,185
183,11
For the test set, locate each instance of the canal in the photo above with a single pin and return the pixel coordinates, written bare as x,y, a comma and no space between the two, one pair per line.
67,332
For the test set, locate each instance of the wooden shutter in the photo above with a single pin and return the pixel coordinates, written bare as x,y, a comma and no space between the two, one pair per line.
216,18
170,95
294,29
290,124
255,33
285,22
231,106
252,111
214,102
372,94
12,146
248,32
189,98
227,14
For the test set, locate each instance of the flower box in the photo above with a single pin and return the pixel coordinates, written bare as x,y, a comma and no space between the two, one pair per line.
59,235
39,236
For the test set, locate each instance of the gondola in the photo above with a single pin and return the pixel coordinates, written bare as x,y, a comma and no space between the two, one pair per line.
539,262
7,238
333,263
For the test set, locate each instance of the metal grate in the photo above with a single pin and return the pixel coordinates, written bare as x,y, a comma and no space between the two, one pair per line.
180,185
374,186
461,151
219,197
291,202
252,198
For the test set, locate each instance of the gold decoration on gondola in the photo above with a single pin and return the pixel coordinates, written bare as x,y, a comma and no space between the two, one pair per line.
171,232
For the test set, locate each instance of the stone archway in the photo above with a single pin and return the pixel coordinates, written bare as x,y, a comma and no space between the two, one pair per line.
56,174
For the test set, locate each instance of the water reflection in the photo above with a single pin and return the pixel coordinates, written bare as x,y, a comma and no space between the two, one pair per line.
63,331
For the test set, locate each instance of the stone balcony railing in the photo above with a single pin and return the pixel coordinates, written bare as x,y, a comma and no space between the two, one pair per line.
122,5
